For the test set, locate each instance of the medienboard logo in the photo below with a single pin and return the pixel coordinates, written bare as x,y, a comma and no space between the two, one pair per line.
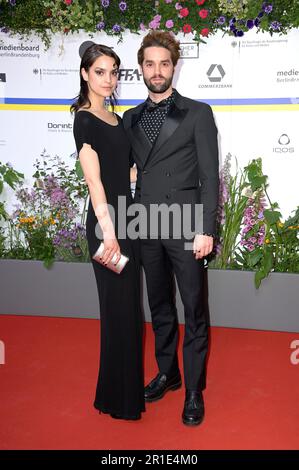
287,76
3,77
284,145
20,50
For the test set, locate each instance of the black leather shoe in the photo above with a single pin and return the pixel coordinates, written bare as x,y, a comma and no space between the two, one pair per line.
157,388
194,408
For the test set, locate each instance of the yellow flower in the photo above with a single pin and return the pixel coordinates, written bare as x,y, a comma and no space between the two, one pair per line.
267,241
280,224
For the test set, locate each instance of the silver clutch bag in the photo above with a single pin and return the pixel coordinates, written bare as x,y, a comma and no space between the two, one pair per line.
117,268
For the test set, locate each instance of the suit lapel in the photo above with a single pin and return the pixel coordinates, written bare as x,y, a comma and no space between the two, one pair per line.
172,121
140,142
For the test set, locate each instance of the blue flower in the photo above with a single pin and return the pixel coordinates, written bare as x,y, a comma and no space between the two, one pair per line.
250,24
221,20
100,25
240,33
268,9
122,6
275,25
257,22
116,28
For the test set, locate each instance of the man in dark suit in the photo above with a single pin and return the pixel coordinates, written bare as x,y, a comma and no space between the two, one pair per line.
174,145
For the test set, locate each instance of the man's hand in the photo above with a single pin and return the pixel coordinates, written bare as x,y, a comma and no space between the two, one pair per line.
202,246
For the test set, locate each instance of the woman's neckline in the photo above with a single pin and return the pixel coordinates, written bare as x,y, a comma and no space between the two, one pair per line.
102,120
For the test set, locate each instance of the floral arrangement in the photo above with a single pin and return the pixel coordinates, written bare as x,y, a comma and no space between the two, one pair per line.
48,222
202,18
251,233
44,225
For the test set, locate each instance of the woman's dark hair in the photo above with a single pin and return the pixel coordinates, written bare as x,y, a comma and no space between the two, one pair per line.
89,57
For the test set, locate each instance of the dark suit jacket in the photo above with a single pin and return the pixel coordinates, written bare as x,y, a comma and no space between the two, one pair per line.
182,166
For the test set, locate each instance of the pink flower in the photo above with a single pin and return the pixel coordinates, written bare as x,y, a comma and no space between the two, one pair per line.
203,13
155,23
68,2
184,12
169,24
178,6
142,27
200,2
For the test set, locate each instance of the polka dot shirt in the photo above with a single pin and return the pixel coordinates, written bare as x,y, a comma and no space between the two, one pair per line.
152,120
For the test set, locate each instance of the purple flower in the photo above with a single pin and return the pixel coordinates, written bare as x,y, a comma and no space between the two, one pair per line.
168,1
100,25
275,25
142,27
250,247
221,20
4,29
155,23
240,33
268,9
105,3
116,28
257,22
178,6
261,14
250,24
122,6
12,2
169,24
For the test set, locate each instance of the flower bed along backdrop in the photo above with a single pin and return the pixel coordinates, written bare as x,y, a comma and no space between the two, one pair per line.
202,18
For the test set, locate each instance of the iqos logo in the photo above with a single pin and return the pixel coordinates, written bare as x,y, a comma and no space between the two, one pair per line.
284,139
284,142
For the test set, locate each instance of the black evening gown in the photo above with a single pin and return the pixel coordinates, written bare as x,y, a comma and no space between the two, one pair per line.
120,383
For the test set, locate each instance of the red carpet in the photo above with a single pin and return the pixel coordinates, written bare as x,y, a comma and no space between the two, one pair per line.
49,377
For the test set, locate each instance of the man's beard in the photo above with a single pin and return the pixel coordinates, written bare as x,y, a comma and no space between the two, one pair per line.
160,87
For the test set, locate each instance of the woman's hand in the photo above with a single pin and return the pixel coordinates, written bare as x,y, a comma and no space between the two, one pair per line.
111,248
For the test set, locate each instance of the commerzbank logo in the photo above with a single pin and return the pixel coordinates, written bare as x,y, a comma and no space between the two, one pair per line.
215,73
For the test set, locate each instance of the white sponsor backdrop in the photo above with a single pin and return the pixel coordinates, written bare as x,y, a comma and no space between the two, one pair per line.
252,84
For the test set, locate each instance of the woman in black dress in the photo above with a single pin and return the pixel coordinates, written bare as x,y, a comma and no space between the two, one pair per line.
104,151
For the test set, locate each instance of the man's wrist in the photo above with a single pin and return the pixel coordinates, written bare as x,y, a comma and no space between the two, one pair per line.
207,234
